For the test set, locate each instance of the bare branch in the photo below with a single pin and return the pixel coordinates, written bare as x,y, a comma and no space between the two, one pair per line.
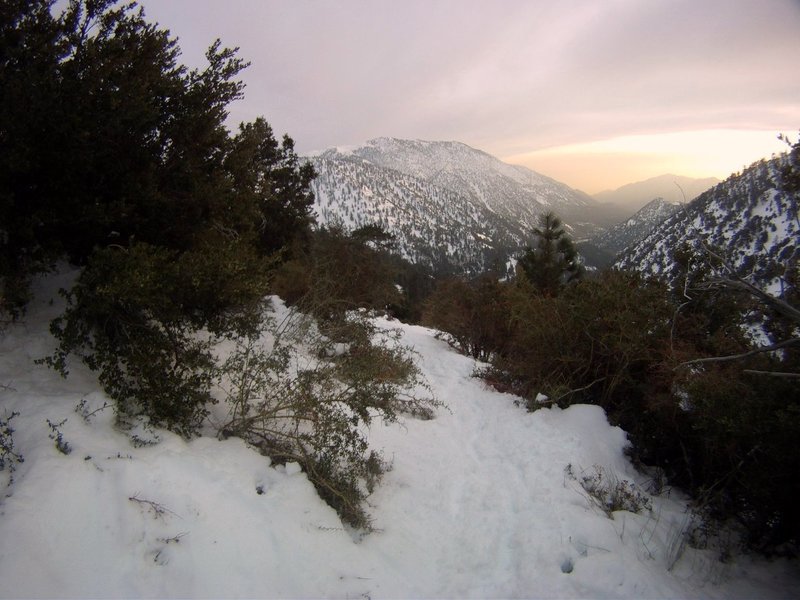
737,283
772,373
575,391
158,510
731,357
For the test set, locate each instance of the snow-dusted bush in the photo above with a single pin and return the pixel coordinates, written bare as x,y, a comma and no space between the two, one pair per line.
61,444
305,392
9,457
136,317
609,492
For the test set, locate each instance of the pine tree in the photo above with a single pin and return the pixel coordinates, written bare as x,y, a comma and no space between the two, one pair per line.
117,158
553,261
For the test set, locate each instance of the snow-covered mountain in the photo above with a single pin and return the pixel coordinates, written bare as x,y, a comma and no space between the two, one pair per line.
449,205
673,188
747,217
636,227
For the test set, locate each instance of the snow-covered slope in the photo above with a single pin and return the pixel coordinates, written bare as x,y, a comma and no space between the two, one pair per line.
511,190
432,225
480,503
753,224
442,200
636,227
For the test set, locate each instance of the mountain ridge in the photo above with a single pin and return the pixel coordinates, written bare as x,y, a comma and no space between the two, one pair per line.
637,226
450,206
748,217
458,209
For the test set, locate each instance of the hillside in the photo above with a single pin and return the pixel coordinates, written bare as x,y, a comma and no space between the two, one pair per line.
635,228
450,206
513,191
432,225
751,223
482,501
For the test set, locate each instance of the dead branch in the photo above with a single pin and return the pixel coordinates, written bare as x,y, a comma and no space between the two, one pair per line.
575,391
741,356
772,373
737,283
158,510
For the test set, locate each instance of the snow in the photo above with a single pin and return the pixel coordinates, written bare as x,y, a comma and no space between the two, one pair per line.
479,503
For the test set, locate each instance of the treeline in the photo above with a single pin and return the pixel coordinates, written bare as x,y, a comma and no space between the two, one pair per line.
676,369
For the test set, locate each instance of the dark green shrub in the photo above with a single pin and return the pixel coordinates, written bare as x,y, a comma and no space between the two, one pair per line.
339,272
597,341
475,313
738,435
135,316
416,283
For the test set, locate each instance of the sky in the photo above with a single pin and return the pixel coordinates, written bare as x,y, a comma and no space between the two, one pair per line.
595,94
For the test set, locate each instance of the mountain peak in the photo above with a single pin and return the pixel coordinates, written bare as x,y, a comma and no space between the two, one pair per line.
445,202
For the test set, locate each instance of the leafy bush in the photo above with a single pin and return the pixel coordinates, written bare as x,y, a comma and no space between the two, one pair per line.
338,272
135,316
475,313
738,433
598,341
739,405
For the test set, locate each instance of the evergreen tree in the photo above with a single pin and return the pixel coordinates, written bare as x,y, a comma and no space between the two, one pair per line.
270,179
553,261
109,141
117,157
31,48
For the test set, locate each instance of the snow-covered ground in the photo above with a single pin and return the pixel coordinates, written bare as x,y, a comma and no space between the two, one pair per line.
479,503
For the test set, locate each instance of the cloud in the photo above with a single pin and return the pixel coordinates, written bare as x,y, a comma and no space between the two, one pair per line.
508,77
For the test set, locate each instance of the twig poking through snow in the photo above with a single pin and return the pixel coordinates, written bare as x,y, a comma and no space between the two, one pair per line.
158,510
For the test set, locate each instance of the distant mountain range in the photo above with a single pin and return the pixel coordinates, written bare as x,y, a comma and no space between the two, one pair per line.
449,206
746,218
672,188
460,210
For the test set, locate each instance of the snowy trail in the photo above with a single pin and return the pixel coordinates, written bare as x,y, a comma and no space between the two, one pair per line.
477,505
493,478
481,495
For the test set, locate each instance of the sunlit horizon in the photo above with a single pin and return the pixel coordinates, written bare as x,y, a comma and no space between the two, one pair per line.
608,164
